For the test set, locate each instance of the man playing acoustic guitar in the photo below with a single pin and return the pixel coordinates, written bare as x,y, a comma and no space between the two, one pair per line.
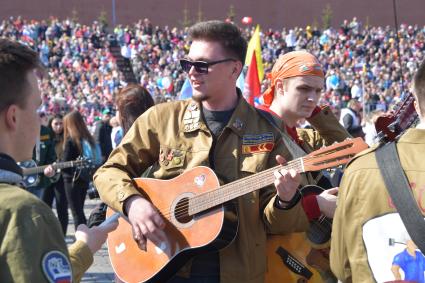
296,84
297,81
217,128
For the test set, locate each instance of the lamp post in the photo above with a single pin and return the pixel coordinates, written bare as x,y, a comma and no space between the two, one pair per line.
114,18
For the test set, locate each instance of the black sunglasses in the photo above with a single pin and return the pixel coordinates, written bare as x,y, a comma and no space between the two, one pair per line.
200,66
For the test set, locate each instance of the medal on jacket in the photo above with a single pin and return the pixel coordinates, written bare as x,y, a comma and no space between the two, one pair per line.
191,118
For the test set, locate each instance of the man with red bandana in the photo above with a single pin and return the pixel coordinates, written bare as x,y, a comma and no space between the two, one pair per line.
296,84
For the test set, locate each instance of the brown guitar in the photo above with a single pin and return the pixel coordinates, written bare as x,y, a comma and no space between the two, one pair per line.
290,258
301,257
192,205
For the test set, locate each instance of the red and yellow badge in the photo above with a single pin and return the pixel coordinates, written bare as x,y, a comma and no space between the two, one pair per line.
258,148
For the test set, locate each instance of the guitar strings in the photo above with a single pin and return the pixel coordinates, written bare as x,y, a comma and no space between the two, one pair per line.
183,209
201,200
321,226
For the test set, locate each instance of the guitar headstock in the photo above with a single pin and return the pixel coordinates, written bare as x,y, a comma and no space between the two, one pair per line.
390,126
83,162
333,155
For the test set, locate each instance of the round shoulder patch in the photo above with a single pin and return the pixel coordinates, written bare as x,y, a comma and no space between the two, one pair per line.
56,267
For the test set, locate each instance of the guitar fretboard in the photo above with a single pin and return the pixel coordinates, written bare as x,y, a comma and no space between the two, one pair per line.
61,165
240,187
331,156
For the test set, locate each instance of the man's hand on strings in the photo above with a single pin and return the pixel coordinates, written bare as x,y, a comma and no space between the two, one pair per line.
146,221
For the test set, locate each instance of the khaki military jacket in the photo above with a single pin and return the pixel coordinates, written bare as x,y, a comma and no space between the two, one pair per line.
326,130
32,246
368,237
173,137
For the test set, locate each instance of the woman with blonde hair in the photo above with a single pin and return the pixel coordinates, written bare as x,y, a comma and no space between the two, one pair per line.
76,183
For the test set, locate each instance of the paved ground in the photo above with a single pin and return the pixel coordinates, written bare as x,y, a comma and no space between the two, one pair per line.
101,269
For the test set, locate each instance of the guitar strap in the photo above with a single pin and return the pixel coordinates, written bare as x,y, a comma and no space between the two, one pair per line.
37,150
399,189
294,149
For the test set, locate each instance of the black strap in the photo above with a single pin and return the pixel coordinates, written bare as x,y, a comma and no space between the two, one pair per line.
399,189
8,163
296,151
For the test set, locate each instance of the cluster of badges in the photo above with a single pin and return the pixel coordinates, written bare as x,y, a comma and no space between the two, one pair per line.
170,156
191,118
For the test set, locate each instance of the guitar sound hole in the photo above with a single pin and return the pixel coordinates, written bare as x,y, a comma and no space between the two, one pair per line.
181,212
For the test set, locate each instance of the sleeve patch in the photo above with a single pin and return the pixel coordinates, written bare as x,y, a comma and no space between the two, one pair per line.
56,267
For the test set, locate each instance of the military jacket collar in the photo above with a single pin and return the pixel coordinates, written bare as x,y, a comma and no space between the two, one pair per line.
193,120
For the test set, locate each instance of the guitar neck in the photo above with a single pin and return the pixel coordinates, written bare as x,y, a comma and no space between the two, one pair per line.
240,187
327,157
56,166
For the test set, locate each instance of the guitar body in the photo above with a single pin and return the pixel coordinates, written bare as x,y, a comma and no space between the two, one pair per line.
185,236
33,179
292,258
287,259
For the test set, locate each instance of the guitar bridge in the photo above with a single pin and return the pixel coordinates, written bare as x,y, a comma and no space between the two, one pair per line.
293,263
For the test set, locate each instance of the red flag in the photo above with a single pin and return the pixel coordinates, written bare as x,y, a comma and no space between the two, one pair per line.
252,82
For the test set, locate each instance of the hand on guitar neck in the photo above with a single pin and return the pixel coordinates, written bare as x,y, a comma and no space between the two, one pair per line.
286,182
145,220
49,171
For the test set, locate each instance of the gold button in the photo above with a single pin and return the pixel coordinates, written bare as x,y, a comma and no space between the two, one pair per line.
121,195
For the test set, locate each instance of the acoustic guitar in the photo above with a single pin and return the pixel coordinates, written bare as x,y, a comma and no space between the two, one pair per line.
31,171
304,256
193,205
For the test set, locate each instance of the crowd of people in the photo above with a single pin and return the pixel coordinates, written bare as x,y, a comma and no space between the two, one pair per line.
359,61
364,69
